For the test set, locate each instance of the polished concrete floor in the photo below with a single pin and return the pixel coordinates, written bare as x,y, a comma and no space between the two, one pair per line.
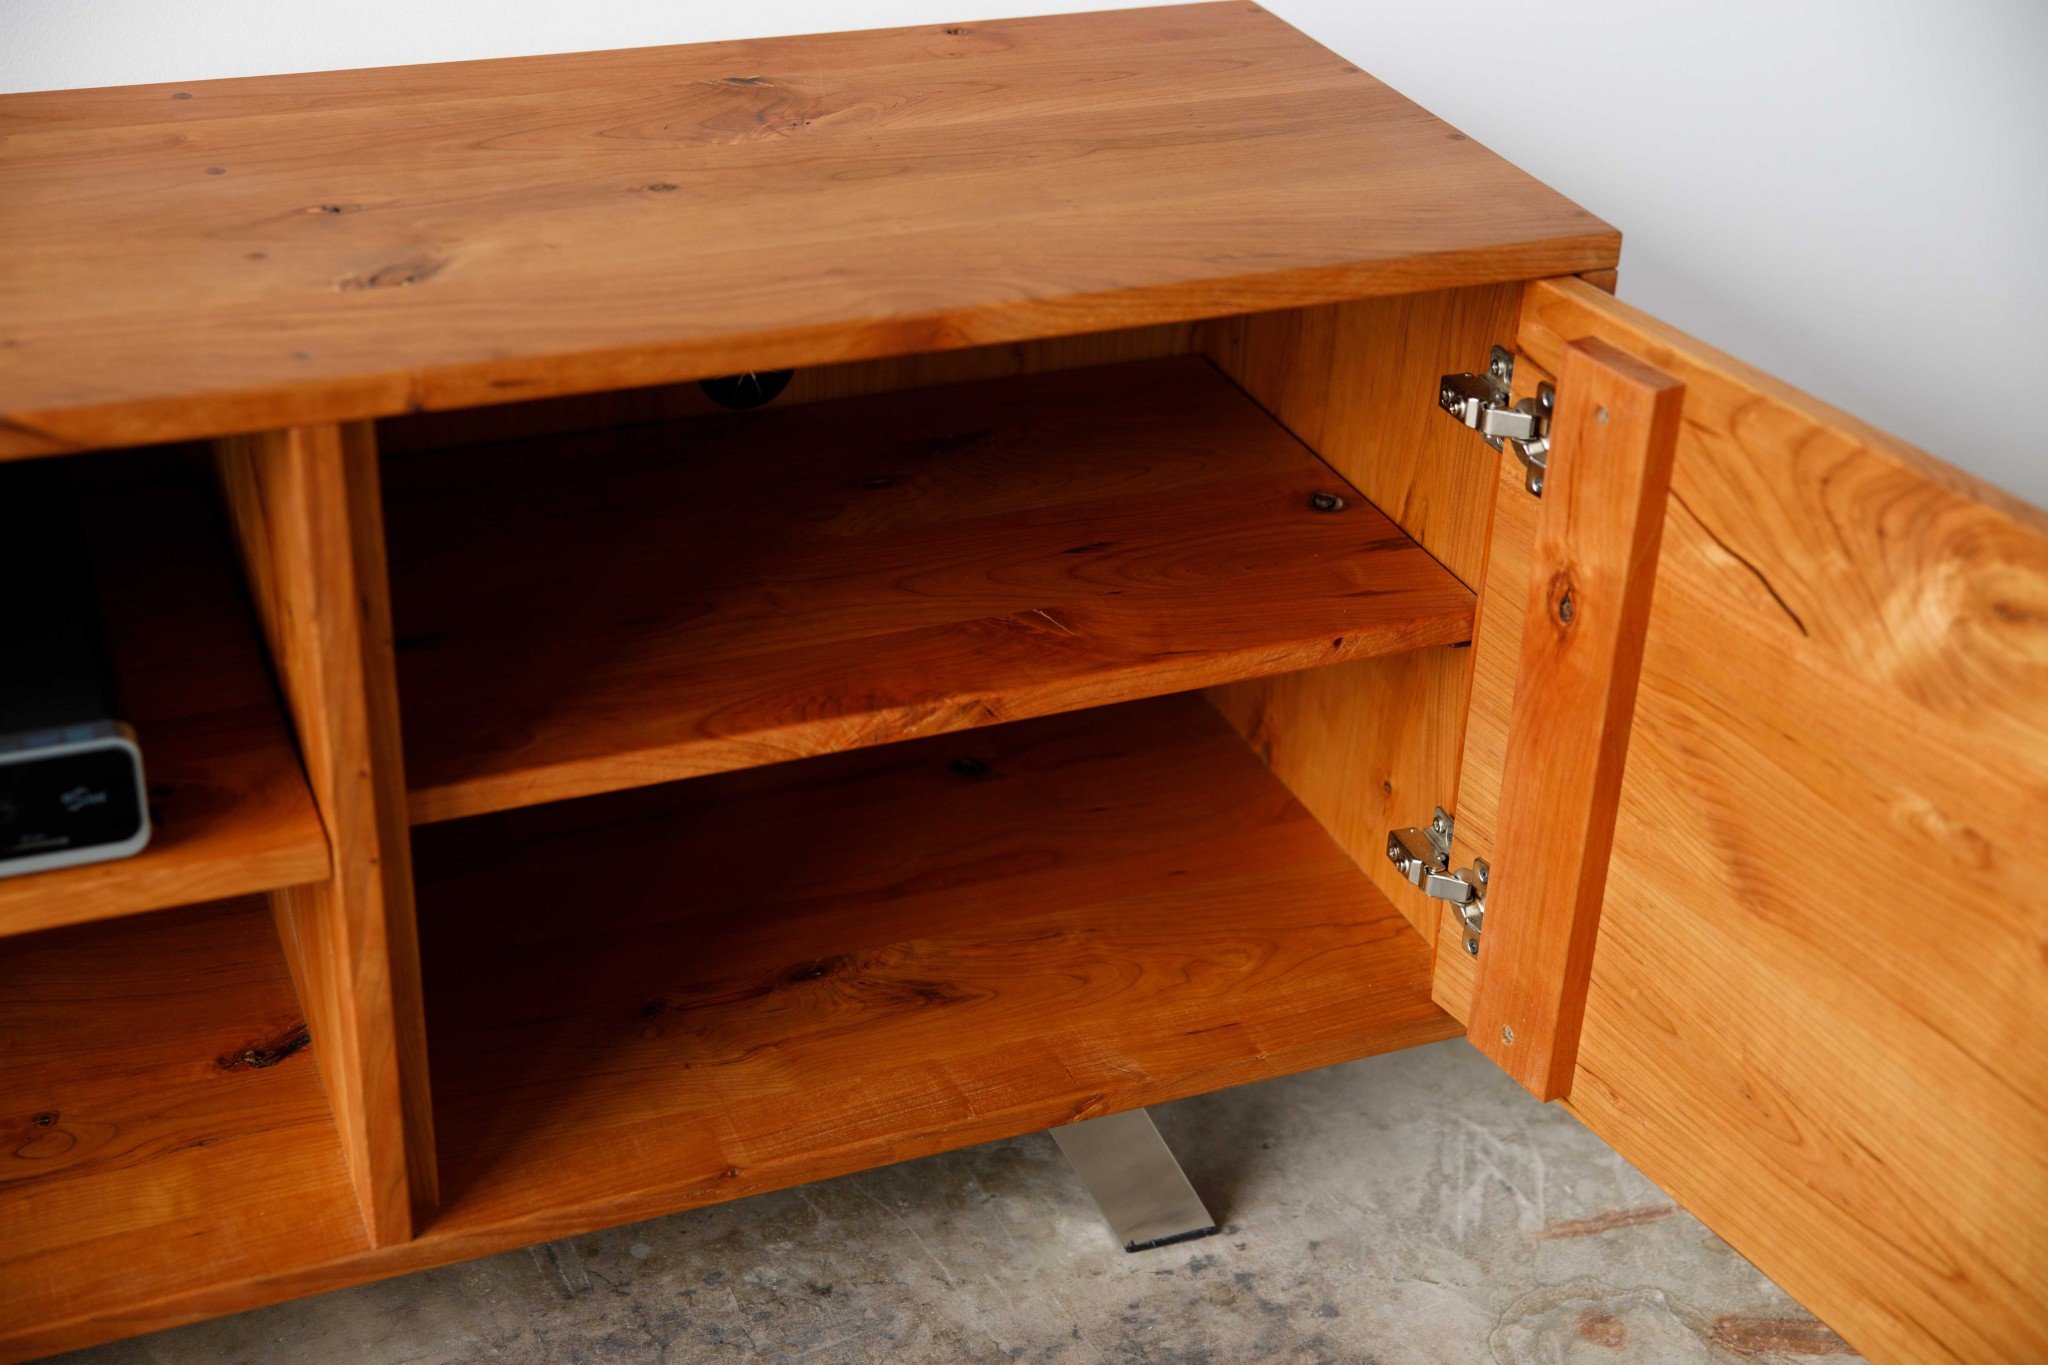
1406,1209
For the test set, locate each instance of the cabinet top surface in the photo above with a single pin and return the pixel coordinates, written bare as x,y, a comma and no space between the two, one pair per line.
194,259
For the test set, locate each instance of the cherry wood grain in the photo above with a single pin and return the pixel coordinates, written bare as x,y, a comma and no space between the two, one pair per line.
422,431
163,1131
1819,973
1586,606
1489,712
230,807
1374,744
671,997
305,507
585,614
203,258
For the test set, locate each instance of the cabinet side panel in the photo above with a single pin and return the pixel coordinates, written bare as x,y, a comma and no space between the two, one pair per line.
1496,664
1371,745
307,517
1818,985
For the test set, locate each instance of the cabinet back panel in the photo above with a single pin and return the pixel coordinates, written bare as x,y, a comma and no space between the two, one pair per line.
819,383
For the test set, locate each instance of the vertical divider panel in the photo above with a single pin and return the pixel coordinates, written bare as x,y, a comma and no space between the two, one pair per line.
307,515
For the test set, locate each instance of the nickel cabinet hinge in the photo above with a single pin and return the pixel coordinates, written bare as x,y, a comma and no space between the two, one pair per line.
1482,402
1423,856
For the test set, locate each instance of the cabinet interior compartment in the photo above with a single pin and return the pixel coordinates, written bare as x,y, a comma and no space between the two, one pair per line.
159,1105
962,745
160,1099
591,611
672,996
230,809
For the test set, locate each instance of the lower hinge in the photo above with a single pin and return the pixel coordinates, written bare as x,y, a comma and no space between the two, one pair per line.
1481,402
1423,856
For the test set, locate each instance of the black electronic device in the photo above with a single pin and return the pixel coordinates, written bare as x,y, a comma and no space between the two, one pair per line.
71,788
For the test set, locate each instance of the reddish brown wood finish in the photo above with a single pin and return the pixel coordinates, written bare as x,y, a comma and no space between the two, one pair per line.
681,995
673,997
163,1130
231,810
584,614
211,257
305,508
1588,606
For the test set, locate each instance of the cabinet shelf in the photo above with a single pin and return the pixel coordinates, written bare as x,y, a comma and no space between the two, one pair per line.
588,613
232,811
664,998
147,1156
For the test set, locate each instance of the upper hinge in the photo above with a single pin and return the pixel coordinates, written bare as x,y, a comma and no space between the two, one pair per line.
1423,856
1483,403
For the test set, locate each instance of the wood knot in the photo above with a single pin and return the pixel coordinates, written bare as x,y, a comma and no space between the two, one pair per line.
269,1053
1564,600
44,1140
817,971
397,275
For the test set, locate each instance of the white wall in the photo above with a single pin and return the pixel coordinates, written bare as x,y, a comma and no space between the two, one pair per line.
1853,196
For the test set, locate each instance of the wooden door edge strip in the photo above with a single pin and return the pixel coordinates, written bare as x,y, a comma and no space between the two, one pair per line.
1584,620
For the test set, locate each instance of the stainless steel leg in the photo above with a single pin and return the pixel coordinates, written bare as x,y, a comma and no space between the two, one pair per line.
1137,1184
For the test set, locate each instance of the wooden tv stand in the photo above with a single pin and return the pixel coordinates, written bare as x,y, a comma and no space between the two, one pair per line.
581,795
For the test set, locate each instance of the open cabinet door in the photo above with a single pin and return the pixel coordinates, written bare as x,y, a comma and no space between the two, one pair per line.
1812,974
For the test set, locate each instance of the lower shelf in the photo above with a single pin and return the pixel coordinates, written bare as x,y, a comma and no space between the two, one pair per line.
163,1132
679,995
666,998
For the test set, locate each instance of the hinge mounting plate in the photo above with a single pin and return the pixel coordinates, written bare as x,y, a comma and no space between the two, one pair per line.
1423,856
1483,403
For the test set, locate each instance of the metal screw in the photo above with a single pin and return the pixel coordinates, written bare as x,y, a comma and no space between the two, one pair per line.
1600,416
1472,946
1536,485
1507,1035
1326,502
1566,608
